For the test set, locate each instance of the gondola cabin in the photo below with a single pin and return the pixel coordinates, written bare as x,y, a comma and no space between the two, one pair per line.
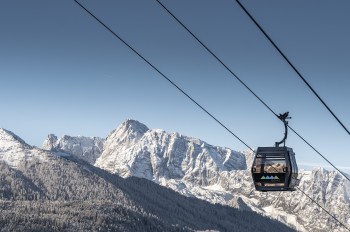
275,169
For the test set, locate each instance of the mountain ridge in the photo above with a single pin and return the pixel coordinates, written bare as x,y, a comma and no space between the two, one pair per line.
156,149
196,169
9,140
148,157
57,191
86,148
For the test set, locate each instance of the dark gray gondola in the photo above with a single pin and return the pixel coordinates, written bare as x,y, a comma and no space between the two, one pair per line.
275,168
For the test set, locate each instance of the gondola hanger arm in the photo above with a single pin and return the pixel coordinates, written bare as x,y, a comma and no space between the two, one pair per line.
283,118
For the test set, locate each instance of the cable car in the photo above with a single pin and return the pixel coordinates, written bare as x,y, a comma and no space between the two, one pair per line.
275,168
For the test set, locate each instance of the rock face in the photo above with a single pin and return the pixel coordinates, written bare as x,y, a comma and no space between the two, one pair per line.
50,142
134,150
88,149
220,175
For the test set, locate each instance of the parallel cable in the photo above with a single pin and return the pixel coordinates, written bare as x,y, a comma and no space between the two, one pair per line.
216,57
183,92
246,86
162,74
265,104
313,148
293,67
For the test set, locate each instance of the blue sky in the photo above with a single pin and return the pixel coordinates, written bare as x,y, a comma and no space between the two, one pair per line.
61,72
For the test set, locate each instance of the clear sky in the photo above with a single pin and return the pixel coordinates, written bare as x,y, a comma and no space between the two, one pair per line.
61,72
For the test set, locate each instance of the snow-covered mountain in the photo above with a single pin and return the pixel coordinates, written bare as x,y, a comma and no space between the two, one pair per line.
88,149
43,190
14,151
134,150
219,175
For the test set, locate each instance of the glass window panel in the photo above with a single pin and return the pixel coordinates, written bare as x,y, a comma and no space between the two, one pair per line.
275,166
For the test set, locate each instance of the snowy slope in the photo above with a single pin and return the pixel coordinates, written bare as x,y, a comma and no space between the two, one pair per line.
88,149
14,151
219,175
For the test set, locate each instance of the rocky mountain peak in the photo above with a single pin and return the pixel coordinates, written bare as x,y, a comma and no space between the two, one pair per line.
127,133
49,142
129,127
86,148
8,141
134,150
